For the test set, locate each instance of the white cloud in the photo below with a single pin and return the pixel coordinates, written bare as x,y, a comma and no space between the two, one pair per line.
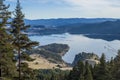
93,3
79,3
105,8
85,8
9,0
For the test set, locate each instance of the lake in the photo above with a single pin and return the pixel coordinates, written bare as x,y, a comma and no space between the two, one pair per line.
80,43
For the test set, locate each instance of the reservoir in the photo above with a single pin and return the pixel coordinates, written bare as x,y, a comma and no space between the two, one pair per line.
80,43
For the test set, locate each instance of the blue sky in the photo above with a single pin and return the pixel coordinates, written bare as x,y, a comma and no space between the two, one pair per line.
45,9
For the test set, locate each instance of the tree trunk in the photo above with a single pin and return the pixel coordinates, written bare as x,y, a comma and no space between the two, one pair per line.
0,70
19,63
0,67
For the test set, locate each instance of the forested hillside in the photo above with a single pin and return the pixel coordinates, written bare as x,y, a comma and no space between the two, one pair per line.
103,30
66,21
52,52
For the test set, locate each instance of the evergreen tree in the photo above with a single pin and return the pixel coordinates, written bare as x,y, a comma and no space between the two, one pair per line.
53,77
29,74
4,14
116,67
88,74
7,66
81,70
111,68
101,71
21,40
78,72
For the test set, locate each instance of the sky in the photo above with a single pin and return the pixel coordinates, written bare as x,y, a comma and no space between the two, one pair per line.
46,9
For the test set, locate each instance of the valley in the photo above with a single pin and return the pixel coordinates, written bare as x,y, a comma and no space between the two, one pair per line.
59,40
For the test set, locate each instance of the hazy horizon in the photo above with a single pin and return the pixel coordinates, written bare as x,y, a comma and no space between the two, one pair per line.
72,18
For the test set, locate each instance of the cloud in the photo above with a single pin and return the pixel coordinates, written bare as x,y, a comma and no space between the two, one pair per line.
9,0
38,1
95,7
84,8
78,3
93,3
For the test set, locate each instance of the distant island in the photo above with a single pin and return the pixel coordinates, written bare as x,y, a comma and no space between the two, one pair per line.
49,55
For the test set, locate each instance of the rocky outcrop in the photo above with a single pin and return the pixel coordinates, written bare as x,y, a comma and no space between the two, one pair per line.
91,58
92,62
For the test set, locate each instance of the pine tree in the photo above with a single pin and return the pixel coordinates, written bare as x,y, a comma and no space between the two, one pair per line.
81,72
78,72
111,68
3,35
116,67
7,66
53,77
4,14
21,40
101,71
88,74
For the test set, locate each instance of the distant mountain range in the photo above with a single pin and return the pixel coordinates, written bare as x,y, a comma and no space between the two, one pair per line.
107,27
101,28
65,21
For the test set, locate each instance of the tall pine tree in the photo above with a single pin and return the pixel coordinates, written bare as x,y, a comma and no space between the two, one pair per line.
88,73
78,72
101,71
3,35
21,40
7,66
116,67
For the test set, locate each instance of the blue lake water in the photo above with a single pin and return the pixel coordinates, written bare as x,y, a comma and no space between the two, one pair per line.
80,43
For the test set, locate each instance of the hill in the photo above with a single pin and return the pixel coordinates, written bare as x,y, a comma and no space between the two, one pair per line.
52,52
91,58
42,63
48,57
108,27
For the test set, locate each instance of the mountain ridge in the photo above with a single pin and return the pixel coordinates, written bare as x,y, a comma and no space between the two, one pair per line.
64,21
